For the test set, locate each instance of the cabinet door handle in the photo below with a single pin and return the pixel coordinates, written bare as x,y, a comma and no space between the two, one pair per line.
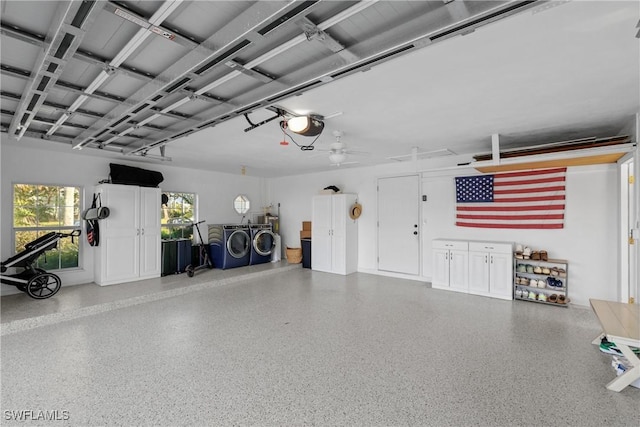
492,259
142,231
137,232
485,259
415,233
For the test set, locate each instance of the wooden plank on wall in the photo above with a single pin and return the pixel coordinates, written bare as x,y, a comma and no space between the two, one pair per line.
545,164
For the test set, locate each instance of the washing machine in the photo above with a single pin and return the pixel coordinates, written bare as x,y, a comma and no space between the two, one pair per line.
263,243
229,245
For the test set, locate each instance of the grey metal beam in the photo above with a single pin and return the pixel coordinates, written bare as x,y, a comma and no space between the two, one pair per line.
9,30
312,32
65,34
247,22
382,47
103,96
124,12
65,108
64,139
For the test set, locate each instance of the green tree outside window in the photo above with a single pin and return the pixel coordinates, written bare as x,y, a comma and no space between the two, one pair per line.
177,215
39,209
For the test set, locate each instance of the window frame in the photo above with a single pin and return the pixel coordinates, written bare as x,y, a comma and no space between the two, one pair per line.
14,229
172,226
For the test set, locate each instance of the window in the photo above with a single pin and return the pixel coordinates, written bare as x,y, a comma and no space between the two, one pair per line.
39,209
177,213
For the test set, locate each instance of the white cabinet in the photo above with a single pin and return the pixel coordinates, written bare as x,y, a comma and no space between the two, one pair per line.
450,265
129,246
334,235
479,268
491,269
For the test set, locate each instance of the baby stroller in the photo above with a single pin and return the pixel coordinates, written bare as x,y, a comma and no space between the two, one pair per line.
36,282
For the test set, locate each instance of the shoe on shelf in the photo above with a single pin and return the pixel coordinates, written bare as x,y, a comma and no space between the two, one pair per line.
537,269
532,295
535,255
541,284
553,298
555,271
562,299
521,268
526,252
546,270
533,283
562,272
542,297
529,268
550,283
544,256
518,252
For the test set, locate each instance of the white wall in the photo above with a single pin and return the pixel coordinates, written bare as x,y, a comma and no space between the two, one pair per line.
588,241
294,193
26,162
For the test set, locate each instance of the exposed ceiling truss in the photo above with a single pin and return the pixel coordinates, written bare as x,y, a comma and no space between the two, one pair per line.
151,82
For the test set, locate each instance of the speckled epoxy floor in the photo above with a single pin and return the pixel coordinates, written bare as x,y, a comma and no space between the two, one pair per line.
306,348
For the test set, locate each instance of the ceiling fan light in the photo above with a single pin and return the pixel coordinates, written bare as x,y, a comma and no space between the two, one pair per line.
337,158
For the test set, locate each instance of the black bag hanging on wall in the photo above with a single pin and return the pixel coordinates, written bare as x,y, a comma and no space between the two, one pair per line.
92,227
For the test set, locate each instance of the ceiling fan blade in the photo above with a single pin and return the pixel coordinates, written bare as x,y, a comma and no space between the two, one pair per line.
344,164
358,153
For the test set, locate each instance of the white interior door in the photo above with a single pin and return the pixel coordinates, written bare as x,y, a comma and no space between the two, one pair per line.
321,247
629,286
150,232
119,233
398,220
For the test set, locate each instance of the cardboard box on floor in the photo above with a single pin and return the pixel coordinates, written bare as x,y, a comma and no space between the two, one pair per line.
305,233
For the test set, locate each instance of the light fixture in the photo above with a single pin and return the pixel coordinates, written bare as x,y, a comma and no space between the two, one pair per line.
305,125
337,158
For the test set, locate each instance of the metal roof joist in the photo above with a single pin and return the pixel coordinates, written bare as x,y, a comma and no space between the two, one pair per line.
65,35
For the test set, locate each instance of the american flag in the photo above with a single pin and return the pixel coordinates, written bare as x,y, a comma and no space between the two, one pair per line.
527,199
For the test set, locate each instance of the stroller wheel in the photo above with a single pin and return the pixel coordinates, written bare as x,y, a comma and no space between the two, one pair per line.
190,270
43,285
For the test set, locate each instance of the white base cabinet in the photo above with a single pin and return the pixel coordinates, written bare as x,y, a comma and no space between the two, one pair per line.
450,265
491,269
334,236
479,268
129,245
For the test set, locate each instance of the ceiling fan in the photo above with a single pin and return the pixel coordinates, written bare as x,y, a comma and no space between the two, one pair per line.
338,151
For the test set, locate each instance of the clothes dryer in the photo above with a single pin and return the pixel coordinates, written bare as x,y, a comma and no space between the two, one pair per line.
229,245
263,243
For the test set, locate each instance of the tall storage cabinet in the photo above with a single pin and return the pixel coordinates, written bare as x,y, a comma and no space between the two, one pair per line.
491,269
129,247
334,236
